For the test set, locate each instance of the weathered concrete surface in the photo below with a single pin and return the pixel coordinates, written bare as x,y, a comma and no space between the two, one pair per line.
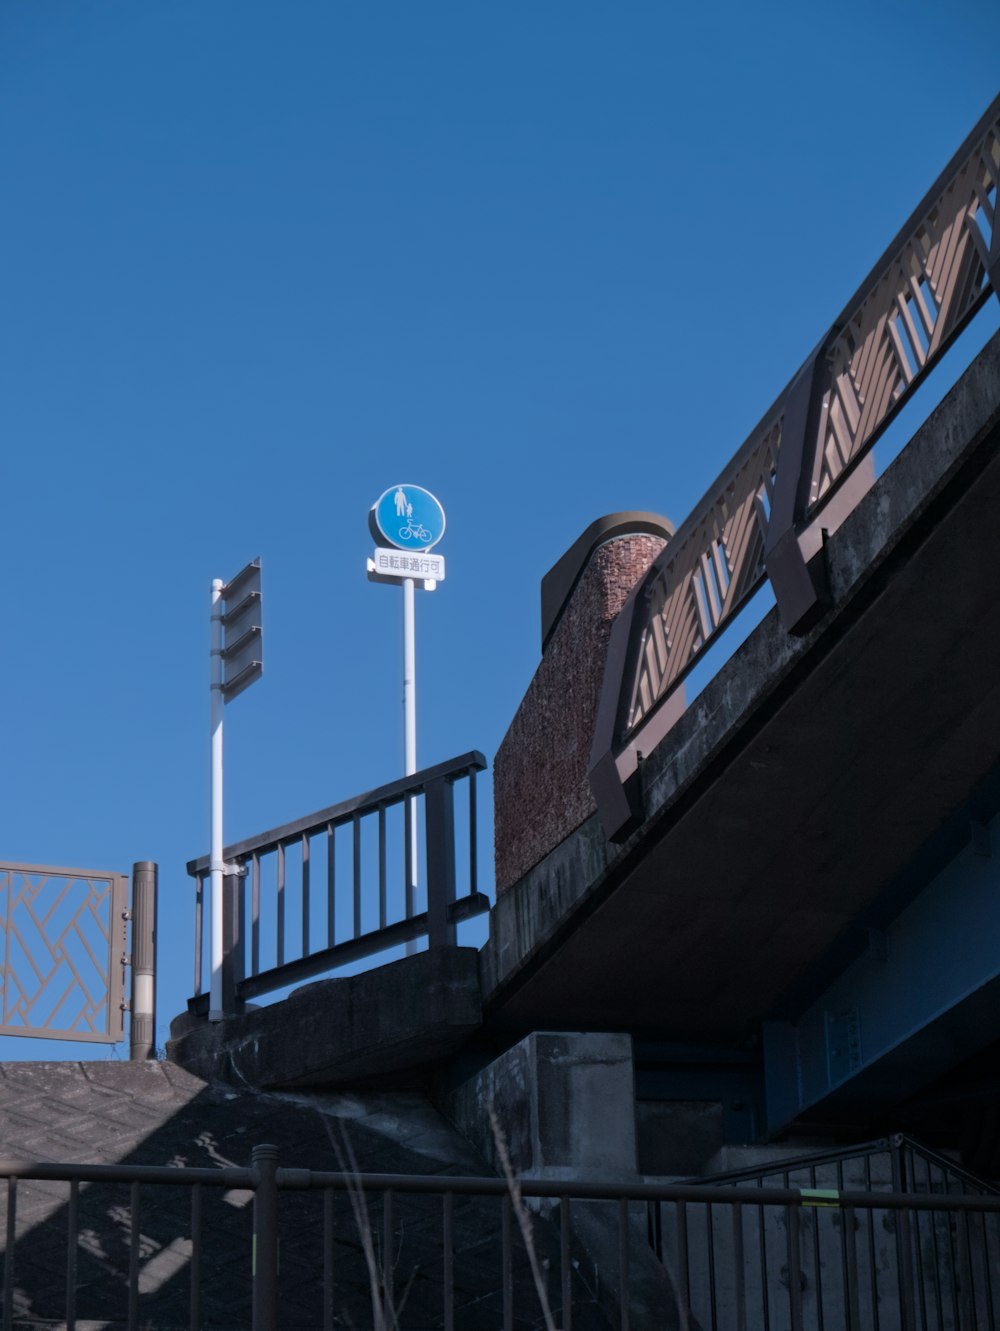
387,1024
158,1114
564,1104
803,777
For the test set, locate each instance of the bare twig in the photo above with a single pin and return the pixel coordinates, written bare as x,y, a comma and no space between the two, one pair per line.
523,1219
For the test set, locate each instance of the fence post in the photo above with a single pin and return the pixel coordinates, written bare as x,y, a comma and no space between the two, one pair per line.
265,1239
904,1254
142,1026
439,809
232,940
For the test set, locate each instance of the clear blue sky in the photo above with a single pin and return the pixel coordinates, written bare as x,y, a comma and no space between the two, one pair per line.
261,260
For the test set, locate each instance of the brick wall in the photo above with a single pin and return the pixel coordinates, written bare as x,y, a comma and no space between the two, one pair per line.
541,792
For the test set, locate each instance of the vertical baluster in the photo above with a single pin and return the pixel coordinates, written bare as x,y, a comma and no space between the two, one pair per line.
240,951
987,1268
507,1275
565,1266
356,822
255,914
473,835
388,1259
683,1274
72,1242
793,1215
849,1258
448,1272
654,1227
969,1312
740,1273
8,1257
327,1259
409,869
381,868
623,1271
439,812
195,1267
133,1259
713,1301
199,903
762,1243
872,1261
903,1250
954,1262
305,894
331,885
281,906
817,1264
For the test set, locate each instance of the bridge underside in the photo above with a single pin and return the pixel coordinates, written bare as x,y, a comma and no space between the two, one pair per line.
813,785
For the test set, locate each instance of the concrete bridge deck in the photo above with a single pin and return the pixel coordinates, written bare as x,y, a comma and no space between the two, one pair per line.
787,805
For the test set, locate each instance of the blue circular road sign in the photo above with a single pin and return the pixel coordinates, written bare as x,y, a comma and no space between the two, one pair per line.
408,517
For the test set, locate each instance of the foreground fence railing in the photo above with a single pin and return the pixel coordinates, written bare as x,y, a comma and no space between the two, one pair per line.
316,900
135,1246
920,1270
805,465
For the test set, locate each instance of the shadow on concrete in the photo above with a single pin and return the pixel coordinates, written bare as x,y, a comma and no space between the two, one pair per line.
158,1114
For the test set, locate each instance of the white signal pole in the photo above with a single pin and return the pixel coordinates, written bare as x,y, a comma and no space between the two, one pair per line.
215,1012
410,736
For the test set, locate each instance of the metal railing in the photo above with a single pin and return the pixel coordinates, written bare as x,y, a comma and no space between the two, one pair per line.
919,1273
304,922
358,1246
798,471
63,951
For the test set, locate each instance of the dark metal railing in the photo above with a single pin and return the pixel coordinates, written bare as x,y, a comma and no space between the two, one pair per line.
917,1273
737,1256
799,472
355,905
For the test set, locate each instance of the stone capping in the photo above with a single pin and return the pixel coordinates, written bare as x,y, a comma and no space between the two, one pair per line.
560,582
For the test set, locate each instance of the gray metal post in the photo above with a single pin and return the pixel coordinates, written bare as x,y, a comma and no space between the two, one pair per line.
142,1027
265,1239
439,811
232,943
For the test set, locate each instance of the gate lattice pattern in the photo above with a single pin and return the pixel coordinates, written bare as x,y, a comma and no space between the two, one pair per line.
62,952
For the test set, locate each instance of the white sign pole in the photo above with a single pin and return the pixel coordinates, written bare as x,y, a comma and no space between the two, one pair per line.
409,682
215,1012
410,735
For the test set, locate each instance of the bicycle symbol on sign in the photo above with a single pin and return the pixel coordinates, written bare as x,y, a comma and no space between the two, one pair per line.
414,531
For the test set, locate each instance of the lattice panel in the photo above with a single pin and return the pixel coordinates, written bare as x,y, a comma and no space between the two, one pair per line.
62,935
923,297
877,353
708,571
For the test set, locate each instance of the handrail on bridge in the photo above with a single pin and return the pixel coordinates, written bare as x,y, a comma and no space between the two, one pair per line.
800,471
424,800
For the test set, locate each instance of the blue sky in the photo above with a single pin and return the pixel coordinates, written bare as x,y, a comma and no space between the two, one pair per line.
261,261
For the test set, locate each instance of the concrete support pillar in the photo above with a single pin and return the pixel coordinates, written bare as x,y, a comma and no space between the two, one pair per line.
564,1103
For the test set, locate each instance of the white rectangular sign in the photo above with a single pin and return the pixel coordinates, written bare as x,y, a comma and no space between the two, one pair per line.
425,565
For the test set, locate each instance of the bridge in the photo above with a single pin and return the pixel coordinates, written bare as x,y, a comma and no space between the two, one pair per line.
779,893
743,941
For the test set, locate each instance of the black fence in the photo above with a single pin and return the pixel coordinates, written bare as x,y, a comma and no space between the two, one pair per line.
353,880
271,1247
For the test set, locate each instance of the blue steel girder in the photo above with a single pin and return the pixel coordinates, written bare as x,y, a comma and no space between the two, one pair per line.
922,997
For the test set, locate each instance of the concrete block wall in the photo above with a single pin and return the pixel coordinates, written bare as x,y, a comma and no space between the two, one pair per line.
564,1103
